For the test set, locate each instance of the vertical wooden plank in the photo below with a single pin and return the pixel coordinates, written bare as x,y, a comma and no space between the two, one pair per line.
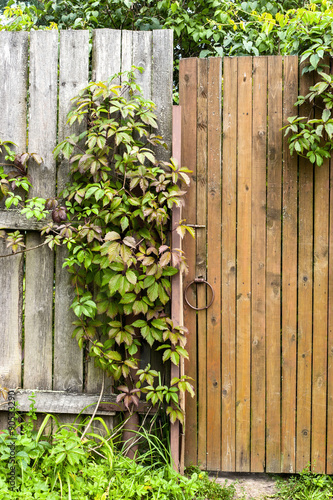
259,133
188,96
305,283
243,346
214,232
40,262
106,54
68,362
176,287
126,50
320,315
201,259
13,93
142,57
162,82
11,276
329,458
229,203
289,276
273,265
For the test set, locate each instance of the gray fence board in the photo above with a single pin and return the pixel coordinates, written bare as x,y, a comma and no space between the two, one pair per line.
61,402
13,219
68,359
52,359
13,95
106,54
40,262
162,83
127,50
11,321
142,57
13,92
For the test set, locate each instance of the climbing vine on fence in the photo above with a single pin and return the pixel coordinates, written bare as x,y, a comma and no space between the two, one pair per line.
312,136
114,218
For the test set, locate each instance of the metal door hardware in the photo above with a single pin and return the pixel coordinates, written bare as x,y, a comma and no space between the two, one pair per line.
199,281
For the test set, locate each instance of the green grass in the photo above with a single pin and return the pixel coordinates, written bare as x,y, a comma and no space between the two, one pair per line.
306,486
64,466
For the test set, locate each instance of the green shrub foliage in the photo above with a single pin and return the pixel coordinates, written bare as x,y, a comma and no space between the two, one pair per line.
77,465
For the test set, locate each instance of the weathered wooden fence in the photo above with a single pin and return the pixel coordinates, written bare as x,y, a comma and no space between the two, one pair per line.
261,355
41,72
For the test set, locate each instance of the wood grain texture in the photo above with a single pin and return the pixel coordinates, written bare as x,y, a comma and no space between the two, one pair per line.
187,99
142,57
320,296
244,220
289,276
258,376
11,318
62,402
73,76
329,451
229,203
276,255
273,265
201,258
39,280
39,277
13,92
161,88
13,219
214,234
43,82
320,317
126,50
106,54
13,95
305,283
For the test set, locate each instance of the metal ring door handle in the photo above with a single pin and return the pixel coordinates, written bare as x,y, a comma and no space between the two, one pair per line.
199,281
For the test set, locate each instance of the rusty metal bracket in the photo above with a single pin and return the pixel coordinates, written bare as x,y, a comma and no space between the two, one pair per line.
199,281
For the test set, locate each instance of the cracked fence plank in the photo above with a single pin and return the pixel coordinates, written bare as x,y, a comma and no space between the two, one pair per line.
13,95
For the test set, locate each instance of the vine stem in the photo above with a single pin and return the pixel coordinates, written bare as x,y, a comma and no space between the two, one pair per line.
23,251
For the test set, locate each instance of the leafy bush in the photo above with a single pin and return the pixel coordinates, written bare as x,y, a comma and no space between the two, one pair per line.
64,465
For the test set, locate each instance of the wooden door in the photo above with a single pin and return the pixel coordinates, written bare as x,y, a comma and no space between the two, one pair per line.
260,355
